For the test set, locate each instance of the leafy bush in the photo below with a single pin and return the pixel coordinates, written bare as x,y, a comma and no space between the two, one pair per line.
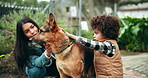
8,27
7,64
87,34
134,36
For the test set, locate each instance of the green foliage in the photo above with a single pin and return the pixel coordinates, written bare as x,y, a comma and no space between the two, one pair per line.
7,64
134,36
8,27
84,33
32,3
87,34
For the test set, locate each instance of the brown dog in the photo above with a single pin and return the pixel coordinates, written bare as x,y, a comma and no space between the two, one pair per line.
72,59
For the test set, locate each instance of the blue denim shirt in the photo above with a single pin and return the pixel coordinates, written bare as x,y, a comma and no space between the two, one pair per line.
39,61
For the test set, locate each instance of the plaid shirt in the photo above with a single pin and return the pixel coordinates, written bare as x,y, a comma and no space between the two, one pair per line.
106,47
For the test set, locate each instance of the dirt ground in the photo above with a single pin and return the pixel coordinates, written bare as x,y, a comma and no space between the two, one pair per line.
134,66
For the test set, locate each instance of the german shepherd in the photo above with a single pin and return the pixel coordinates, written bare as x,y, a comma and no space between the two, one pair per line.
72,58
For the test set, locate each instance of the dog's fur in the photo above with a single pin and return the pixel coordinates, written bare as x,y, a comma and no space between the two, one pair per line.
75,61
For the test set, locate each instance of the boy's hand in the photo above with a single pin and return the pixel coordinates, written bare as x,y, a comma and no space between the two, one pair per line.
69,35
65,32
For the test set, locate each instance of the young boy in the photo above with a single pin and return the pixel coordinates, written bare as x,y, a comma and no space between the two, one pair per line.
107,58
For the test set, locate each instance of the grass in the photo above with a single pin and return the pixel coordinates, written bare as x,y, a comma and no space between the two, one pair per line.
7,64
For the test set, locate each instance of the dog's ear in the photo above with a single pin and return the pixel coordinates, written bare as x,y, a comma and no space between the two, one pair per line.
54,27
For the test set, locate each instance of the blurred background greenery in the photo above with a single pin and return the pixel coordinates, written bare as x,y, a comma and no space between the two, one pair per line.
133,33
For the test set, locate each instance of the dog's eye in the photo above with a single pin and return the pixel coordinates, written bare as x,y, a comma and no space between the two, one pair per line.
41,31
47,29
50,25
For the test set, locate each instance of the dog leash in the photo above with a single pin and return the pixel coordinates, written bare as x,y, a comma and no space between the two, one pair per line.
73,41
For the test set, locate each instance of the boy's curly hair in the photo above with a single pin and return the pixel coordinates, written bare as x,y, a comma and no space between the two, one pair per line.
108,25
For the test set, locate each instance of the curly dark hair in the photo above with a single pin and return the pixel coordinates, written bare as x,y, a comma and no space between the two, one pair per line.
108,25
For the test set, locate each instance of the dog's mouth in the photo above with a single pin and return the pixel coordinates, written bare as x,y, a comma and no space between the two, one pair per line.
36,40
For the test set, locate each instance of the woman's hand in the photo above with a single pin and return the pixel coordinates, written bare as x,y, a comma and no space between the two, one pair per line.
48,49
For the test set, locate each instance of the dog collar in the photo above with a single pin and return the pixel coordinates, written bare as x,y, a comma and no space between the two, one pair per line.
73,41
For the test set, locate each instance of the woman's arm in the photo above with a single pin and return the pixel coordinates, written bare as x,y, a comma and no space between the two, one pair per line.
39,61
44,59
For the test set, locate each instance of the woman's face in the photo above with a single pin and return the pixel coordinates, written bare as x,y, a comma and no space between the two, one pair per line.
29,30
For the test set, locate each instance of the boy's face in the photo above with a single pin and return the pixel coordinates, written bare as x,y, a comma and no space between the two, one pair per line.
98,35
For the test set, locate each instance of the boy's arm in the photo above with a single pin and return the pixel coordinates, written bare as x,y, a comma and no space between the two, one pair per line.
106,47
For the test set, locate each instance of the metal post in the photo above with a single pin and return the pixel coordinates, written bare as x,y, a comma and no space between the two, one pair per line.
51,6
71,22
80,17
115,9
77,19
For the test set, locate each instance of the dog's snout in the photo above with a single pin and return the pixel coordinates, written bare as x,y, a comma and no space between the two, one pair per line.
38,41
43,42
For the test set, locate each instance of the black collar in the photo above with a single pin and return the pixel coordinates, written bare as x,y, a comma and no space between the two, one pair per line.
73,41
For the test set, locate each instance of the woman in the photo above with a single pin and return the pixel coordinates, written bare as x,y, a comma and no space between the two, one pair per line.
31,57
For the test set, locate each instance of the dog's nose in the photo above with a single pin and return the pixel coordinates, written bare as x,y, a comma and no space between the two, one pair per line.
38,41
43,42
